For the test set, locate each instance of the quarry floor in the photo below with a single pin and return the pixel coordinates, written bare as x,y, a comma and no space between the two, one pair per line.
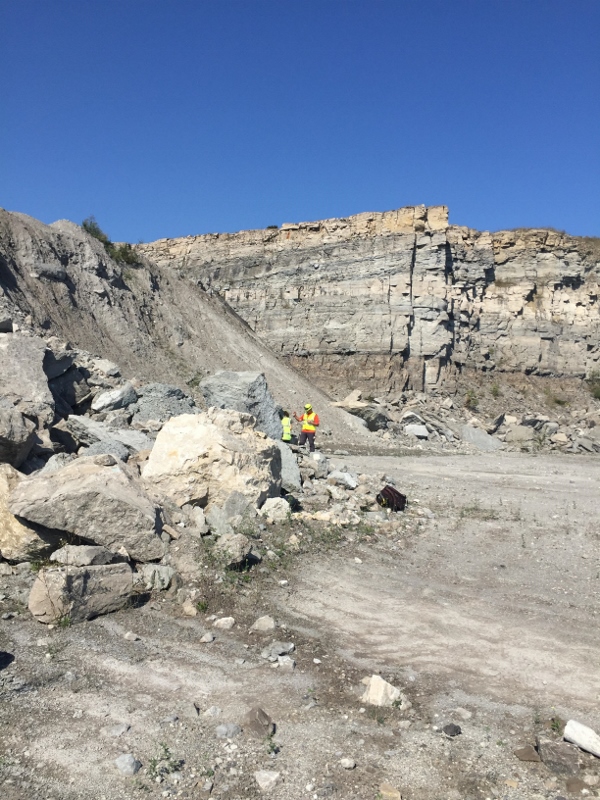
482,605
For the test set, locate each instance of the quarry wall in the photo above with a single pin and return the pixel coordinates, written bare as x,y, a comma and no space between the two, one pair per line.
402,298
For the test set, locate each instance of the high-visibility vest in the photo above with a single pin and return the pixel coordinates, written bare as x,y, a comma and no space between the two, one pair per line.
286,424
309,422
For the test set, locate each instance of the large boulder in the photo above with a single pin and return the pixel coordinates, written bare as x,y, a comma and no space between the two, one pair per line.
159,401
96,499
75,432
80,593
17,434
23,380
375,417
247,392
19,542
200,459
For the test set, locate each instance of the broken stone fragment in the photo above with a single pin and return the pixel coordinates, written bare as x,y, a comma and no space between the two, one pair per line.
234,547
79,593
121,397
266,779
258,723
560,757
128,765
584,737
264,624
379,692
527,753
276,509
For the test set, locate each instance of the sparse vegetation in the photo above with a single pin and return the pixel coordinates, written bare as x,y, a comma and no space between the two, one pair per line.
471,400
593,382
163,764
122,253
496,393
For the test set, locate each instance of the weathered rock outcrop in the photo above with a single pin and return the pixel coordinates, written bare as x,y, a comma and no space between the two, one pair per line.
386,299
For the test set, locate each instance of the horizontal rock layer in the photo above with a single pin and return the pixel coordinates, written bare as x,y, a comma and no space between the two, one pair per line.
402,297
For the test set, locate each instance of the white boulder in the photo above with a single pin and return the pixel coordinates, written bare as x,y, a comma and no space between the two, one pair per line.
202,458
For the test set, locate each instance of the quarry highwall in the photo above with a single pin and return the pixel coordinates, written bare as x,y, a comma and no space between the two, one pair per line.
385,300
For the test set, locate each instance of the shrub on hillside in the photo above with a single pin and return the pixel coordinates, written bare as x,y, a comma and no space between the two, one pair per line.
123,253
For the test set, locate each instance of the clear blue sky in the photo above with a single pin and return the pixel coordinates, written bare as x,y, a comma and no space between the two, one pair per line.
174,117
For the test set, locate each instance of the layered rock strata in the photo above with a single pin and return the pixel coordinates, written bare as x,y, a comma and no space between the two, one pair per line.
402,297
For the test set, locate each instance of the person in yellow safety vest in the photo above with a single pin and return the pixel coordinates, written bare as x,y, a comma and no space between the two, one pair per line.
310,423
286,427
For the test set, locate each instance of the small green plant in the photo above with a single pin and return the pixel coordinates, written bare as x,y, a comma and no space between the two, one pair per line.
64,621
164,763
556,724
471,400
496,393
272,746
202,606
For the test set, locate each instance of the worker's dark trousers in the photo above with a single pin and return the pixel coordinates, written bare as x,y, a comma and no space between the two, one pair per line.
304,435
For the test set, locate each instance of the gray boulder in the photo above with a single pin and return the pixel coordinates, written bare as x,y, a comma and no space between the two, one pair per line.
520,434
159,401
24,382
345,479
480,439
80,593
85,555
291,480
96,499
236,512
109,446
17,435
69,390
419,431
121,397
247,392
58,358
156,576
75,432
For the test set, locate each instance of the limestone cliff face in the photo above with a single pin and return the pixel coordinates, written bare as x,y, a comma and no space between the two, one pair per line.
386,299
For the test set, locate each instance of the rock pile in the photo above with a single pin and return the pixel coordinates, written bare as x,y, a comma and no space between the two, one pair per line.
439,423
121,485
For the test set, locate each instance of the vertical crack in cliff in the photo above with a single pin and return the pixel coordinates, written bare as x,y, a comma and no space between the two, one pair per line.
411,317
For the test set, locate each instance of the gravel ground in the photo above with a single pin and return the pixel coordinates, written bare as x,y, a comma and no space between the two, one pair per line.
480,603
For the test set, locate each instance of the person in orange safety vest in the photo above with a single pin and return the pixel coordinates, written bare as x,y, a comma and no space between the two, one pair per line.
310,423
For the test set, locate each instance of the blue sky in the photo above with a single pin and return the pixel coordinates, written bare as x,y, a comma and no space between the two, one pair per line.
176,117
